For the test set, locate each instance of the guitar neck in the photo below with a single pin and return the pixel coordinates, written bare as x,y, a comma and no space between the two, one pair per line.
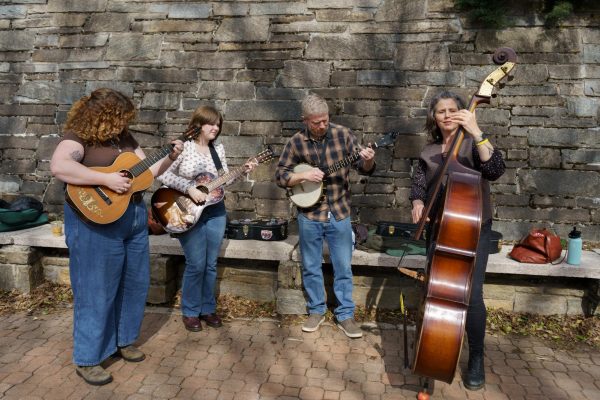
223,179
155,157
149,161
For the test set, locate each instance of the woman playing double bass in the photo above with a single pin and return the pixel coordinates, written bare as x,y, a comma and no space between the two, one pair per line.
446,114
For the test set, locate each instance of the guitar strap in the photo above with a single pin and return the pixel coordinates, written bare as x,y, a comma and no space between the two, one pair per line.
215,157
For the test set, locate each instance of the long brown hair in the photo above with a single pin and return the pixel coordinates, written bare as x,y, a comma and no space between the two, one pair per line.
207,115
431,126
100,116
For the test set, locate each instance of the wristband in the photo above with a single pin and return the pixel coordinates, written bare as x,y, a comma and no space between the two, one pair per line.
484,141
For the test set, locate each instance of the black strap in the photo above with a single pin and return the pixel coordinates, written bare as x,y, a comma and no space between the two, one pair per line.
215,157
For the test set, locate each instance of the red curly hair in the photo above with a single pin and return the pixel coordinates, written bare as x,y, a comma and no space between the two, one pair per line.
101,116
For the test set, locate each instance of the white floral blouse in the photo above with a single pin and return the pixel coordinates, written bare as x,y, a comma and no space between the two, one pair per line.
189,165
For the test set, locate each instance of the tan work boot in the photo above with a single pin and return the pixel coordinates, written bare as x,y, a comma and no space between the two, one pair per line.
131,353
94,374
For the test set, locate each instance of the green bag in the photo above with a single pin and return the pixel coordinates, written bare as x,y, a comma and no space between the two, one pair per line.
396,246
11,220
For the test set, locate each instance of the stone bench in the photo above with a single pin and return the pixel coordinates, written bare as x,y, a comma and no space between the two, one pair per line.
25,261
522,287
272,271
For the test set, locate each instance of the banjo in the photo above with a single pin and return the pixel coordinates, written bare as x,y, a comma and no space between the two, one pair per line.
306,194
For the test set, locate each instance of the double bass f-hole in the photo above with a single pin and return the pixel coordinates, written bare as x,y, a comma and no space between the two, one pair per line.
456,227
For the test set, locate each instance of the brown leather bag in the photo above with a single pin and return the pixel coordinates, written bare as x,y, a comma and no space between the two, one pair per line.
540,246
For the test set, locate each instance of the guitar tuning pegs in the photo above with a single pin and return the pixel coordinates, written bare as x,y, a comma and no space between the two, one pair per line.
510,78
501,85
494,95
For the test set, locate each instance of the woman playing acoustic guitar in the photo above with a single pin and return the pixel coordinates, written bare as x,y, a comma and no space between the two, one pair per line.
202,243
446,114
108,263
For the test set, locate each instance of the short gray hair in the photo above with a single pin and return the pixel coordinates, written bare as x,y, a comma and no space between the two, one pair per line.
313,104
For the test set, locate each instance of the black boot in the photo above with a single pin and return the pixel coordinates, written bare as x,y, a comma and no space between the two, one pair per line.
474,379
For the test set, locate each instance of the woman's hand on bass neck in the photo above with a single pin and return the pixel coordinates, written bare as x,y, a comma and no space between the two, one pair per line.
468,121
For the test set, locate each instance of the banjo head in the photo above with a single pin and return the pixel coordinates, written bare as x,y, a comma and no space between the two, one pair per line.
305,194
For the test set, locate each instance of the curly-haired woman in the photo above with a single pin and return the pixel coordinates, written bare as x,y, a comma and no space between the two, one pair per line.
109,264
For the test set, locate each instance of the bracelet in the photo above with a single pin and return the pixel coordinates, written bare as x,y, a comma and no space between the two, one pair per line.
484,141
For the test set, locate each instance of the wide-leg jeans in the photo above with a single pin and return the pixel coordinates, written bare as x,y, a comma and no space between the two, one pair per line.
201,246
338,235
110,275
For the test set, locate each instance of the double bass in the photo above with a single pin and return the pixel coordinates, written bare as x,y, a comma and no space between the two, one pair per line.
455,228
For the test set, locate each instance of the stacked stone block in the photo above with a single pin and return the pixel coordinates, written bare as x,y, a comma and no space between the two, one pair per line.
377,62
20,268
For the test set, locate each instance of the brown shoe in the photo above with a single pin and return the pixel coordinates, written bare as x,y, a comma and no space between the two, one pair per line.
192,324
212,320
94,374
131,353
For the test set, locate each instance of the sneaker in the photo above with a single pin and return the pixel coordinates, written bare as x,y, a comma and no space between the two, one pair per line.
131,353
313,322
94,374
350,328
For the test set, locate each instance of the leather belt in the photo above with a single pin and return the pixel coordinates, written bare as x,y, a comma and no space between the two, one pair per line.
137,197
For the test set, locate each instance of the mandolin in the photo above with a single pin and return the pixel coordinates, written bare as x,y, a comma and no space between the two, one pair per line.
306,194
101,205
178,213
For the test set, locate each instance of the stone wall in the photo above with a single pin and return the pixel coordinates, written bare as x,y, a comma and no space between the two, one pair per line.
377,62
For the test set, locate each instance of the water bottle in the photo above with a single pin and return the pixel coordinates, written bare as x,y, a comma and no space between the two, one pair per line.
574,248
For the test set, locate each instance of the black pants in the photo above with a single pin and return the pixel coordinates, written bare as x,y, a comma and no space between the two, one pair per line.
476,313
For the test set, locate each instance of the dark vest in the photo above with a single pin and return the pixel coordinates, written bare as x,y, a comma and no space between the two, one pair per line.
432,156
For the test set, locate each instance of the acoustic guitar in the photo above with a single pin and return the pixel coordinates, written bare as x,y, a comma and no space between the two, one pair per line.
101,205
178,213
306,194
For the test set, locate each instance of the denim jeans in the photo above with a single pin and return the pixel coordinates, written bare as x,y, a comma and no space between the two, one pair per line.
109,266
338,235
201,246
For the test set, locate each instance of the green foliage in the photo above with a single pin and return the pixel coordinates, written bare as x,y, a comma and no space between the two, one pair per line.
489,13
558,11
492,14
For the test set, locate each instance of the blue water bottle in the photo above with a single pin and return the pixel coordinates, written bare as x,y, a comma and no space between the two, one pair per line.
575,246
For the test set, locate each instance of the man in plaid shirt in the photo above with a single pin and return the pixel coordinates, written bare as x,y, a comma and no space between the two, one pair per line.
322,144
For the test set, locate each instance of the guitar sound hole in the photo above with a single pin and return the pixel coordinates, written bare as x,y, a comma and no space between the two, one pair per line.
126,173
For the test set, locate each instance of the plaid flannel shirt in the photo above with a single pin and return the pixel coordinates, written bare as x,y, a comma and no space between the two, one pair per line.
339,143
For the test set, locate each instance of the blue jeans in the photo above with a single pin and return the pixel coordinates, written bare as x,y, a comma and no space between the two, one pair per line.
338,235
201,246
109,267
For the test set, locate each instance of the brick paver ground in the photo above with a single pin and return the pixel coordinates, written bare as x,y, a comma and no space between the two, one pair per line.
247,360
